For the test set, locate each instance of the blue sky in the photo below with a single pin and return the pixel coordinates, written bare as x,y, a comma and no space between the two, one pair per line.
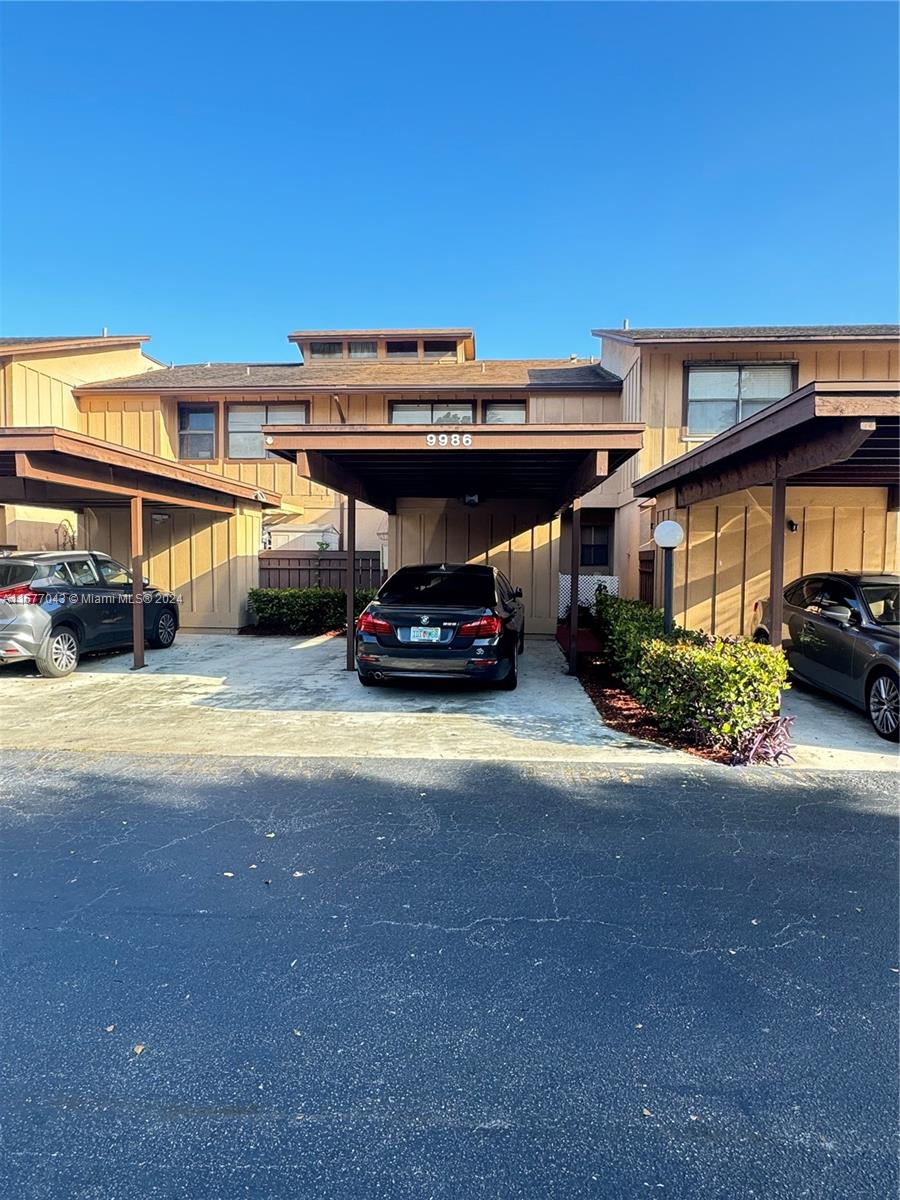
217,175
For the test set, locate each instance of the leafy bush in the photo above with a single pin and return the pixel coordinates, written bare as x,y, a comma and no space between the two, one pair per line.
304,610
720,692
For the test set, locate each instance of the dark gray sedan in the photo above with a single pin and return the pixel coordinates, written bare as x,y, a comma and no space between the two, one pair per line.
840,633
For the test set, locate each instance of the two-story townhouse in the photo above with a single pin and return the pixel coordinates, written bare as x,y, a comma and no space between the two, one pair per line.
792,400
451,456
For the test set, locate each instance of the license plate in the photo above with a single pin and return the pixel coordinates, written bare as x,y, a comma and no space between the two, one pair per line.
421,634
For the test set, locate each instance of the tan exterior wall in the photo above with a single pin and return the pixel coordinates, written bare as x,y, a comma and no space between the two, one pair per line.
503,534
722,569
210,562
37,390
653,392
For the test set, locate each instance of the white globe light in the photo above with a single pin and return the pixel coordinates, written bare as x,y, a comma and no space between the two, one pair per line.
668,535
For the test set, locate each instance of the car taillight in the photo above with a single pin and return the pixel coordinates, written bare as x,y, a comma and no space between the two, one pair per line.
21,594
369,623
483,627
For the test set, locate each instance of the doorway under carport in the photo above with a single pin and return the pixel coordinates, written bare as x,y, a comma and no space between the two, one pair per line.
61,469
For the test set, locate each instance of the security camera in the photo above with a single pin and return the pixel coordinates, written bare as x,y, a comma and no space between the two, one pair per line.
471,501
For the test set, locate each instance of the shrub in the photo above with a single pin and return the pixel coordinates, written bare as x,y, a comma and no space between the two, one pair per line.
720,692
723,694
304,610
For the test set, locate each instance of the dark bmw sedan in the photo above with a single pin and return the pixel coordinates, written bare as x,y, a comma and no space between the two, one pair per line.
840,633
442,621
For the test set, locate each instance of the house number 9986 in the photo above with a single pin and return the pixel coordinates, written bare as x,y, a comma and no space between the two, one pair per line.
448,439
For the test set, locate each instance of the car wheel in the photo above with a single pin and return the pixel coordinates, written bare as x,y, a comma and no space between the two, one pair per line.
761,637
883,705
59,655
510,681
164,629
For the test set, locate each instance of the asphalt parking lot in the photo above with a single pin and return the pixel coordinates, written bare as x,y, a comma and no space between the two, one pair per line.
261,977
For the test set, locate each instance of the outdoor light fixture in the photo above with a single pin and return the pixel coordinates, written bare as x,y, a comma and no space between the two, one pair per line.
792,526
668,535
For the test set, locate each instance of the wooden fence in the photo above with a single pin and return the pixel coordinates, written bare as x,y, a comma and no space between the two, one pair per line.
646,569
318,568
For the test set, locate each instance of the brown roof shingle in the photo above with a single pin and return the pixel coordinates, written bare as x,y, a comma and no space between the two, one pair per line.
519,374
761,333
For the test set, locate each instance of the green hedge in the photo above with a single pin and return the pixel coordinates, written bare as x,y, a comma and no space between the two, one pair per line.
721,692
304,610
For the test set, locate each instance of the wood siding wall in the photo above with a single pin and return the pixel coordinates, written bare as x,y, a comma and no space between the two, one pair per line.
211,562
723,567
503,534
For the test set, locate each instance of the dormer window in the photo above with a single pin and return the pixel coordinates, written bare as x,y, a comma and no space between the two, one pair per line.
363,349
439,349
326,349
404,349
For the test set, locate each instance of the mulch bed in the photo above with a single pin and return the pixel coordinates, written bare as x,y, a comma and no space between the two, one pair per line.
622,712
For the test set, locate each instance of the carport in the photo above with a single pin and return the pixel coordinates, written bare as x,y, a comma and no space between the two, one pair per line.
826,435
550,465
59,468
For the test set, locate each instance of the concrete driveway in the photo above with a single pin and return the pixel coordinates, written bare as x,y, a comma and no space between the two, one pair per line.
282,696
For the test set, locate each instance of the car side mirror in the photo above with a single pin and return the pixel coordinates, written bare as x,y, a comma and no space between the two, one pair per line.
518,593
839,613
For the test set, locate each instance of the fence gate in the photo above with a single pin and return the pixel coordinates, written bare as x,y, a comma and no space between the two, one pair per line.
318,568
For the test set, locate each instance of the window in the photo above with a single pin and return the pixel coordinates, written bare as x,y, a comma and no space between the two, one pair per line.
504,414
595,545
454,585
363,349
196,431
883,600
326,349
439,349
82,572
402,349
437,413
114,573
245,422
720,396
839,592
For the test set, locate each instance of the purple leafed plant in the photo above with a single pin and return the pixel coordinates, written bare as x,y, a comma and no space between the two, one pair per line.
768,743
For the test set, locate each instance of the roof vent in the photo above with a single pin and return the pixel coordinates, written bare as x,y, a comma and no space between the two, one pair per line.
573,358
482,368
625,323
105,331
248,370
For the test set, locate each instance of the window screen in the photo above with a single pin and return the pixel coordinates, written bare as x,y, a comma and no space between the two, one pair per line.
196,431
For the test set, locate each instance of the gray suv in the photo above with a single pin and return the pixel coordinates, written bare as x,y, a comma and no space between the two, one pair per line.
56,605
840,633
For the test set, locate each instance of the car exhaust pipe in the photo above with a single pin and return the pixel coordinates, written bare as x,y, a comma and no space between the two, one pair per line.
378,674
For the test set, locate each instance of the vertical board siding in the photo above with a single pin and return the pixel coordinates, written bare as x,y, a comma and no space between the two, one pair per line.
722,569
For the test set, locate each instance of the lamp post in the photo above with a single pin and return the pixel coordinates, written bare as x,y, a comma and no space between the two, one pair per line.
668,535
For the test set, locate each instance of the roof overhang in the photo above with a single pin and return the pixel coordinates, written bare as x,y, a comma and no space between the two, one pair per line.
379,464
63,469
826,434
681,337
14,348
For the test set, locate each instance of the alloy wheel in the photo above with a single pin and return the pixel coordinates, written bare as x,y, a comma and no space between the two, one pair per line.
64,652
884,705
166,628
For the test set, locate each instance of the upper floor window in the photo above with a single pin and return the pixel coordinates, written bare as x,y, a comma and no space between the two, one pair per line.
397,349
196,431
504,414
439,349
326,349
436,413
720,396
245,422
363,349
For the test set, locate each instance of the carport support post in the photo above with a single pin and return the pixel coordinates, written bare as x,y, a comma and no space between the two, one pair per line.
776,565
137,580
351,581
575,573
